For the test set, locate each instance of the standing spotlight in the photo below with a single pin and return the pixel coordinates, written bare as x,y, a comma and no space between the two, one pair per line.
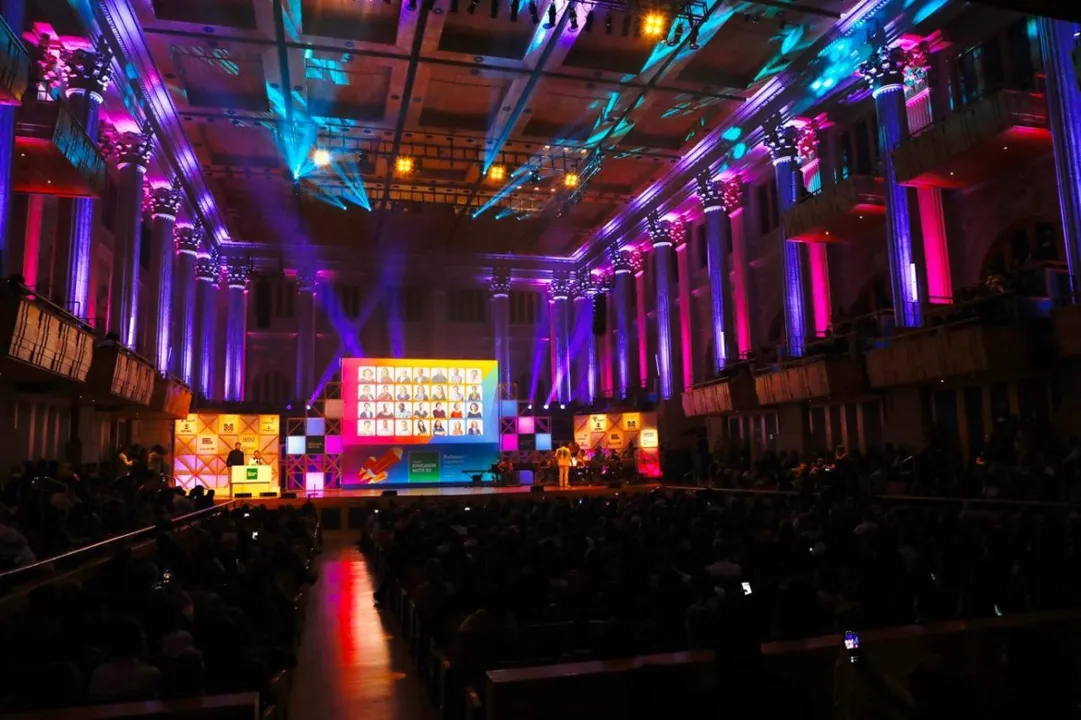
551,17
533,14
693,38
574,17
514,11
589,21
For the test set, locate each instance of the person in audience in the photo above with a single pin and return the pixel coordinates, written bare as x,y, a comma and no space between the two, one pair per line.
125,677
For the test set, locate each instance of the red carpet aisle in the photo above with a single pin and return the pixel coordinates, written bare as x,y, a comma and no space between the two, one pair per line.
351,664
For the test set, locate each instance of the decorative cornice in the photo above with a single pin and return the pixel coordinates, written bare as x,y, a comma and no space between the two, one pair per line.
165,202
559,288
90,70
782,140
708,193
499,286
306,279
660,231
237,273
885,67
208,269
188,239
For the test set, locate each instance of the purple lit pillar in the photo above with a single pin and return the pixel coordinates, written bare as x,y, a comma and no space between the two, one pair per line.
207,274
185,332
89,73
622,271
561,373
133,156
782,141
717,260
500,292
1058,42
305,375
164,206
660,235
884,71
583,349
236,321
14,12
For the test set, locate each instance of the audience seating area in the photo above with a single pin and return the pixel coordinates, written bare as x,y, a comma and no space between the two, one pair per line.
201,623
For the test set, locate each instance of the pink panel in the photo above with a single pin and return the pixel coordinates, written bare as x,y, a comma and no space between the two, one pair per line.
820,287
333,445
526,425
509,443
313,481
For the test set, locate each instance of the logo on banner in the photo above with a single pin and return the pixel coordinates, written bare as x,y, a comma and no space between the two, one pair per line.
249,443
424,467
598,423
251,473
206,444
615,439
228,424
648,438
188,426
631,422
269,425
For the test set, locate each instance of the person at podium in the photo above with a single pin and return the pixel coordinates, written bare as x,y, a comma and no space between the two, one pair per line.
256,459
235,456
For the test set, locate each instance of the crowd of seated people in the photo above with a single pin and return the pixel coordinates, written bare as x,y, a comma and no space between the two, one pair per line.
672,570
47,508
211,611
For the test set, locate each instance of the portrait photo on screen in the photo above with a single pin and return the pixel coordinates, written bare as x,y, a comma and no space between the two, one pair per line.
456,410
405,410
385,428
439,427
473,376
366,411
439,410
403,392
386,392
366,428
366,392
439,392
366,374
439,375
456,376
420,393
422,376
457,393
473,394
474,428
421,428
404,428
421,410
474,410
386,410
403,375
457,427
385,376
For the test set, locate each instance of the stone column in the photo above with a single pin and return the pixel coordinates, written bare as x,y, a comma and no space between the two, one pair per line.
89,74
304,384
782,141
14,12
184,320
660,235
499,288
817,253
207,275
884,71
164,207
732,195
560,291
132,152
622,269
583,350
1057,45
712,199
686,336
237,272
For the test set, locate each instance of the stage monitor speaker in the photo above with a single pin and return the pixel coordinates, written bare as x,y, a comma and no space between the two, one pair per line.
268,494
289,496
600,314
536,488
390,493
241,495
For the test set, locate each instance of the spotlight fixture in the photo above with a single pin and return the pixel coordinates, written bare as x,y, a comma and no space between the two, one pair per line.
533,14
570,180
403,165
545,406
589,22
693,39
654,25
497,173
472,6
321,157
574,17
551,17
535,177
514,10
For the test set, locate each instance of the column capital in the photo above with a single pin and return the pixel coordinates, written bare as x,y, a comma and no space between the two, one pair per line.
782,140
165,201
90,70
189,238
499,286
52,72
885,67
807,143
623,261
559,288
306,279
660,231
709,194
208,269
917,66
582,286
129,148
237,273
732,194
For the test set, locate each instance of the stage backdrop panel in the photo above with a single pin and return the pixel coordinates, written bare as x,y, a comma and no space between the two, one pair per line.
411,421
202,441
620,431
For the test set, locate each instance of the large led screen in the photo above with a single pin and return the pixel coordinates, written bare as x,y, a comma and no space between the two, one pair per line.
418,421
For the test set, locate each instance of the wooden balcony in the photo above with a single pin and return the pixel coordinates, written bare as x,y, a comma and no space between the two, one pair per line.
53,155
120,378
735,394
977,141
838,212
43,342
14,66
811,379
967,351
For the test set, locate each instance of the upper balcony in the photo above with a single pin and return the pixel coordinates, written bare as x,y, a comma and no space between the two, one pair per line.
45,344
734,393
53,154
977,141
815,377
14,66
838,212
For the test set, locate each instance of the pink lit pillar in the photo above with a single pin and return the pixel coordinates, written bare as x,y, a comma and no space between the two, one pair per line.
133,158
31,245
733,193
641,323
185,331
607,378
817,255
686,346
164,206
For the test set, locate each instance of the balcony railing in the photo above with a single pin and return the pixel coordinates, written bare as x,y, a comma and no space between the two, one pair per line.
55,153
14,66
836,211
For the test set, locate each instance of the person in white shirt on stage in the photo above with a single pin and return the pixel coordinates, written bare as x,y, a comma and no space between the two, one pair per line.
256,458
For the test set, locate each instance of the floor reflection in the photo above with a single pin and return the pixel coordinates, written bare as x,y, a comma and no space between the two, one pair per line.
350,664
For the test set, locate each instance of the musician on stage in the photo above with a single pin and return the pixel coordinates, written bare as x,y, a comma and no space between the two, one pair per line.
563,462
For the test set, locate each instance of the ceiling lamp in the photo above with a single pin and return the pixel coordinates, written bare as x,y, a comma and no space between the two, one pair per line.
570,180
497,173
403,165
654,25
321,157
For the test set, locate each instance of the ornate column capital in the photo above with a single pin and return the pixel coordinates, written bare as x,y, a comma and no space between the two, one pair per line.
782,140
188,239
660,231
917,66
885,67
130,148
306,279
208,269
237,273
559,288
582,286
807,143
51,69
623,261
708,193
732,195
90,70
499,286
165,202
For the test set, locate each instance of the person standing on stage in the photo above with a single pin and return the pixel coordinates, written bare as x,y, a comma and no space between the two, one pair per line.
235,456
563,461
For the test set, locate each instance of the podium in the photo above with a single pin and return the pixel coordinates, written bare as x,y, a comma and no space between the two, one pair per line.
254,480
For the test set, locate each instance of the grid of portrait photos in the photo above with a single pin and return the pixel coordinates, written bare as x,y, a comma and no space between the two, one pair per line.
419,402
